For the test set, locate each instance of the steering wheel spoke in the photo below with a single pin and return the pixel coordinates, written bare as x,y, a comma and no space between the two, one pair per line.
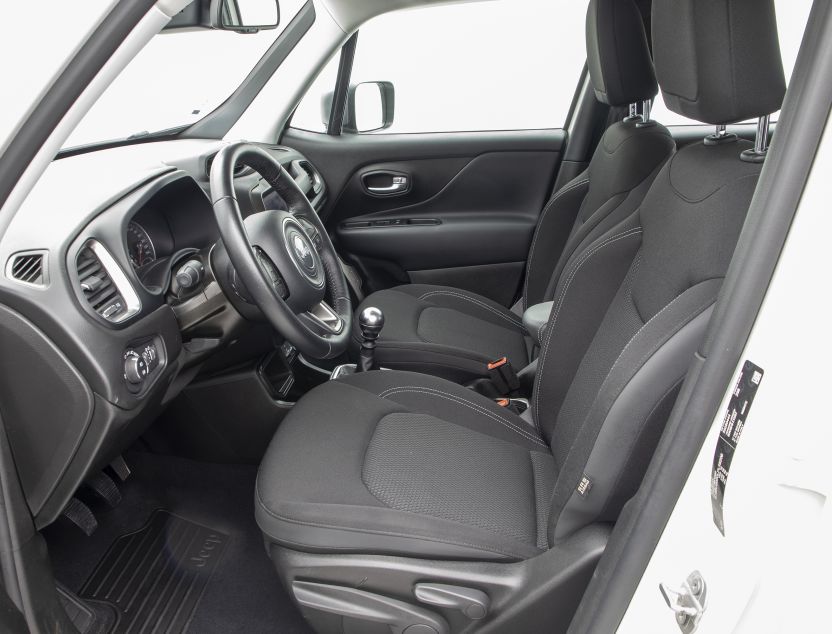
324,319
313,233
272,274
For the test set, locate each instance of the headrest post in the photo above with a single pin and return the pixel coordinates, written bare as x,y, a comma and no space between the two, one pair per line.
720,136
633,114
645,122
758,154
761,141
646,106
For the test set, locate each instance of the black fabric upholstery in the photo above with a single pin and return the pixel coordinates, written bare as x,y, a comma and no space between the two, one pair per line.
718,61
689,224
408,464
403,463
445,331
618,56
619,174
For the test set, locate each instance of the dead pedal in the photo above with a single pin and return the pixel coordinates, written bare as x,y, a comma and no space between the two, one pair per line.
80,514
119,465
105,487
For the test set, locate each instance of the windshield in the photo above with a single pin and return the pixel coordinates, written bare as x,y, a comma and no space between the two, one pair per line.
177,79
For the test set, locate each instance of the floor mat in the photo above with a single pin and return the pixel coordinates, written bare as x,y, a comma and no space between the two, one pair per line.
240,593
155,577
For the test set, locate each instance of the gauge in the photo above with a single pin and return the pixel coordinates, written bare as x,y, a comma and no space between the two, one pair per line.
139,245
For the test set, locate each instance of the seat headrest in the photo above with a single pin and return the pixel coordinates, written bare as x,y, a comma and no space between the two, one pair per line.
718,61
618,56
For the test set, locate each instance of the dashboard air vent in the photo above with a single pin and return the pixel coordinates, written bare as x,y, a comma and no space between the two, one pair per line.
103,284
239,169
307,178
28,268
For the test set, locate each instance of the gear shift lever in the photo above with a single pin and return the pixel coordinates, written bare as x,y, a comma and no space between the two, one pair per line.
371,321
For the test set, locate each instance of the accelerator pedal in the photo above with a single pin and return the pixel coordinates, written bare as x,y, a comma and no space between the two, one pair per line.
119,466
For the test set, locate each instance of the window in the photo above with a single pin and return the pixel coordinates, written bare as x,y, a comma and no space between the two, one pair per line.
177,79
479,66
791,22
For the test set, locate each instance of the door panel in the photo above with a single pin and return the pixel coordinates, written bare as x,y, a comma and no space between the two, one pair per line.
465,218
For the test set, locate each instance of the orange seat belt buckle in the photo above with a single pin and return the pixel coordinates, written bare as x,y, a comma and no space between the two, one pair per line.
498,363
503,402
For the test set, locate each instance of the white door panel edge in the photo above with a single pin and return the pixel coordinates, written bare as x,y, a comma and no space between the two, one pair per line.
148,26
769,573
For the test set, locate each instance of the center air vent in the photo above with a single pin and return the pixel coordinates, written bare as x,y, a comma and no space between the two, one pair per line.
28,268
103,284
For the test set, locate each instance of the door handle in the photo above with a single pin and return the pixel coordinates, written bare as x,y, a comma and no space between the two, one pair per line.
399,184
384,183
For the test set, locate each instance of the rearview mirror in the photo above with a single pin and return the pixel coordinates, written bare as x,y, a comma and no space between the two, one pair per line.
242,16
246,15
370,107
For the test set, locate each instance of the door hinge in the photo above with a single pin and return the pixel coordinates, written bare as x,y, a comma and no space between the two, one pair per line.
688,602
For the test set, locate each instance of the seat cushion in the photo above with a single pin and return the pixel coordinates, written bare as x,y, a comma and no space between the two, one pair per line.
401,463
445,331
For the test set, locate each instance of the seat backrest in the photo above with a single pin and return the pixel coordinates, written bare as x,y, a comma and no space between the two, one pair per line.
631,308
627,156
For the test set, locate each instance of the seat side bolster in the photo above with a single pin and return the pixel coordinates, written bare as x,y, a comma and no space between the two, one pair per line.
648,371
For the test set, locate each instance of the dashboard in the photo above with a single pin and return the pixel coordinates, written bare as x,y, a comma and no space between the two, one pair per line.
114,296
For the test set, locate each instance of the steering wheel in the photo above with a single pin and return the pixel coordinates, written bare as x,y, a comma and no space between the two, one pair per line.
285,259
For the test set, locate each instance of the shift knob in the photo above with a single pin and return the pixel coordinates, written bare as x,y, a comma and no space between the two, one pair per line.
371,321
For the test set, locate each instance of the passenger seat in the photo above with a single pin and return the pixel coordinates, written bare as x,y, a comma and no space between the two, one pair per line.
453,333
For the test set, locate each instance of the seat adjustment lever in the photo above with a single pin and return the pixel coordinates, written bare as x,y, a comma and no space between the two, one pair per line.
472,603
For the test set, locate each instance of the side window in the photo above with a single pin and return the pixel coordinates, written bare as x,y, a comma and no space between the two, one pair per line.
497,65
791,22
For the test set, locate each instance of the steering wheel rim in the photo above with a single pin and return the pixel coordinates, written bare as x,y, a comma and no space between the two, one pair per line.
277,242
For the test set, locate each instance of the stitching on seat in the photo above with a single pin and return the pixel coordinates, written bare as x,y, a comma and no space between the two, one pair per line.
469,404
291,520
548,206
512,320
562,296
653,318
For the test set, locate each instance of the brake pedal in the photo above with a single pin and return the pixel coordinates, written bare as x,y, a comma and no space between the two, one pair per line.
80,514
105,487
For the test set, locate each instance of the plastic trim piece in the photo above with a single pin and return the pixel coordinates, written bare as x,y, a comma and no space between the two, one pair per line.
22,276
132,302
366,606
217,124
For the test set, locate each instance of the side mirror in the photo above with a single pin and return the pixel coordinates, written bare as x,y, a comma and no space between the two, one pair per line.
370,107
242,16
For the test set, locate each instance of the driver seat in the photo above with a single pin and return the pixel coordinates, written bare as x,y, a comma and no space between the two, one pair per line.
398,501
